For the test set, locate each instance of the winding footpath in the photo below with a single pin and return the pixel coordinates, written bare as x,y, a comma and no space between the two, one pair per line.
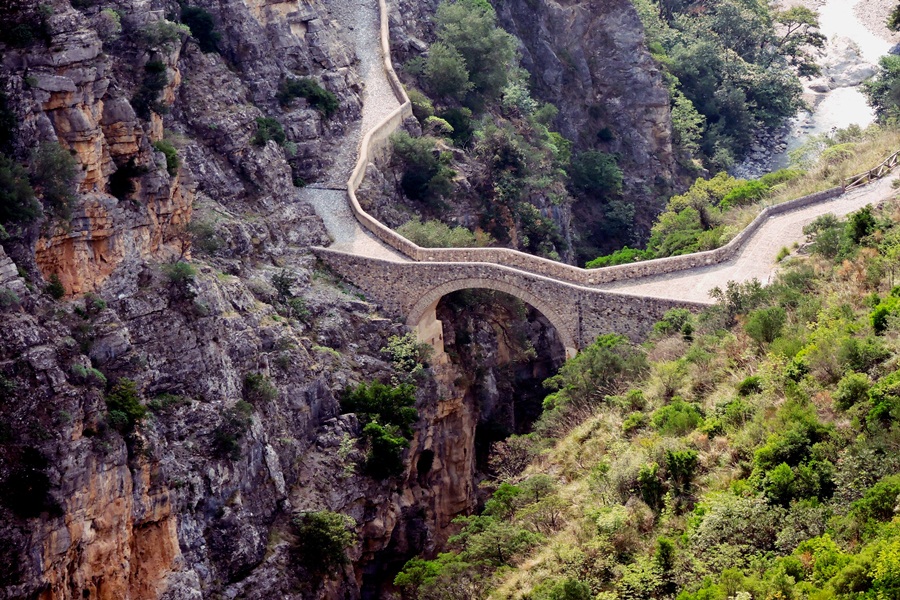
366,249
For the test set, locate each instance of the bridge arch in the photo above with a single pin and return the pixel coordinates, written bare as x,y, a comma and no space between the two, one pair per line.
423,316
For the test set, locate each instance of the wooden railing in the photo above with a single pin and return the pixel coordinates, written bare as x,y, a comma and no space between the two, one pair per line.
886,166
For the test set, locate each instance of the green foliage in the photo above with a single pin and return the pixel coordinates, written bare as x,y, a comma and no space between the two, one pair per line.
675,320
386,414
323,538
202,26
620,257
765,324
445,72
634,422
258,389
460,119
598,371
228,434
879,503
426,175
146,99
596,174
55,287
852,389
163,33
124,406
434,234
54,172
422,106
408,355
729,68
681,466
17,202
8,298
268,129
677,418
317,96
883,91
24,22
180,273
470,28
171,154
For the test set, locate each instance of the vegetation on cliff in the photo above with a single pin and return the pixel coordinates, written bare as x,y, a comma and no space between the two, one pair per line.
746,452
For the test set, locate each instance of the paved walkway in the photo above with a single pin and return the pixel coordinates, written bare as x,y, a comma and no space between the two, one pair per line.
361,21
756,259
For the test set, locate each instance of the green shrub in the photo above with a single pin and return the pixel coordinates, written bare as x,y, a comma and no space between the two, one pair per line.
426,175
681,465
386,414
124,405
674,321
750,385
202,26
55,287
460,119
765,324
748,192
596,174
146,99
171,154
782,254
677,418
17,202
434,234
470,28
879,502
267,129
258,389
650,486
445,72
180,272
620,257
852,389
228,434
317,96
879,315
54,172
163,33
634,422
323,538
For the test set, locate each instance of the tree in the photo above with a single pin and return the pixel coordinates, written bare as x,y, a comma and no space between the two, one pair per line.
203,27
883,91
470,27
893,21
323,538
53,174
445,72
596,173
800,32
17,202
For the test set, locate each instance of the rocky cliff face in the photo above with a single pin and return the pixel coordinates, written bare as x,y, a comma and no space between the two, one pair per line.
90,511
590,60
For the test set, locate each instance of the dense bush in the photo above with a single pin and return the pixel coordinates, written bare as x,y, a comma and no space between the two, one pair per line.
171,154
445,72
386,414
317,96
54,172
882,89
323,538
434,234
146,99
203,27
426,175
596,174
258,389
124,406
17,202
677,418
268,129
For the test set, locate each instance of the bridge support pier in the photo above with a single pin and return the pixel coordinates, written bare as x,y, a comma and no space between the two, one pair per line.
429,330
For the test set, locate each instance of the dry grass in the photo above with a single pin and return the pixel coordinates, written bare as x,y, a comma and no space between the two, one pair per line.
878,143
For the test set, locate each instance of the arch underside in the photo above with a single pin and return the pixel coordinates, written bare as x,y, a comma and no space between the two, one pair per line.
429,301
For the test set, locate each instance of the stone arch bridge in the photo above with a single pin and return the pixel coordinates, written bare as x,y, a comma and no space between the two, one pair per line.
580,304
578,314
